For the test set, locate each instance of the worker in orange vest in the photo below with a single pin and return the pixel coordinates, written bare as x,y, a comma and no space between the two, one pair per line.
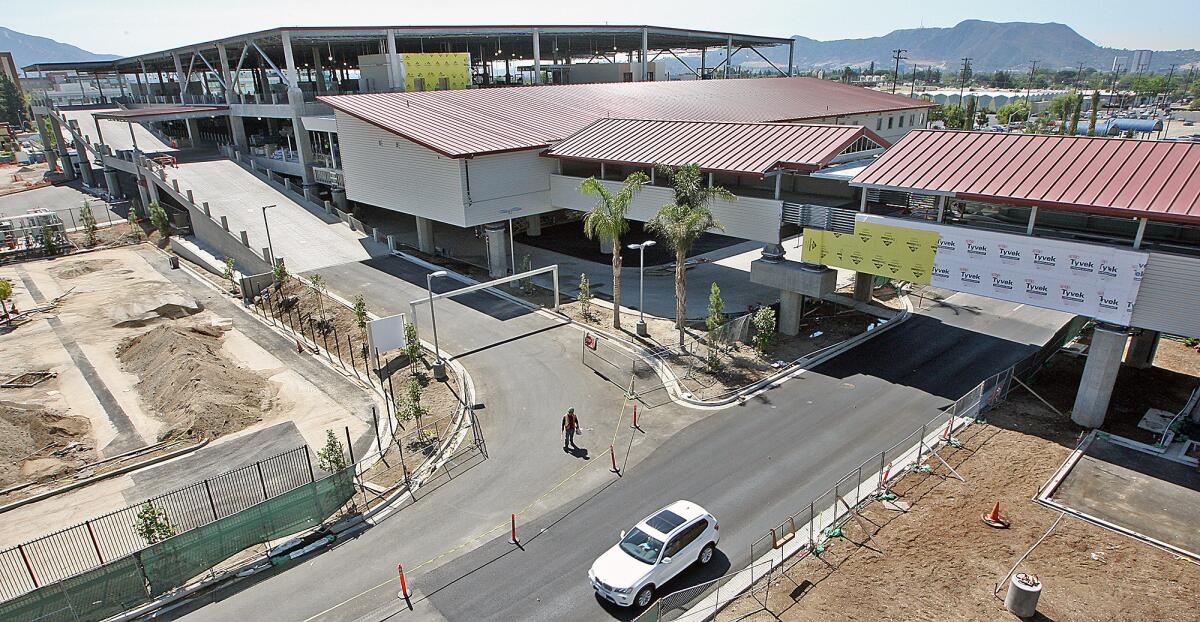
570,425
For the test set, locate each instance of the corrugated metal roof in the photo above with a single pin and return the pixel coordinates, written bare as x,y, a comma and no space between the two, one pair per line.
741,148
1117,177
478,121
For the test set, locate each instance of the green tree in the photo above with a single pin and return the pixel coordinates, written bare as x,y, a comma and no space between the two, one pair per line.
584,296
716,309
606,221
89,224
361,316
409,407
153,524
683,221
1078,109
1095,109
1013,112
280,272
412,346
763,323
228,274
12,104
133,218
332,457
6,290
969,115
318,286
158,217
981,117
49,241
954,117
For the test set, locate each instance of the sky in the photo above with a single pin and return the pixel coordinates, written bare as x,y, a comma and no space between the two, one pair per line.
128,27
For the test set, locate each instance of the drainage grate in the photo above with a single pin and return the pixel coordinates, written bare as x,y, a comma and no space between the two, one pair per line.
27,379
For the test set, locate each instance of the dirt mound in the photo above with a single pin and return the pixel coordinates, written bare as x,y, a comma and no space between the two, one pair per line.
187,381
147,303
76,269
29,434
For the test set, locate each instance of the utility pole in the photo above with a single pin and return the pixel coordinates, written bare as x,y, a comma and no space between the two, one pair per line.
1029,87
962,81
912,93
1079,75
898,55
1167,101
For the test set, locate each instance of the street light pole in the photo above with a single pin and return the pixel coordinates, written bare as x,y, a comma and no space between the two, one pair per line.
439,366
270,247
641,323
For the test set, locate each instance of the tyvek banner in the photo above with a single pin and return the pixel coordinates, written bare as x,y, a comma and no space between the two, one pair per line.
1085,279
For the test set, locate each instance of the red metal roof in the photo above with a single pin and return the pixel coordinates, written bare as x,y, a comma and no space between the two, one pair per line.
717,146
1117,177
478,121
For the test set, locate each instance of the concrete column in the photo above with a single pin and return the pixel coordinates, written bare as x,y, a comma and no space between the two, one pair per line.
339,199
110,182
728,55
296,101
1142,348
180,77
395,67
193,129
51,154
497,244
85,164
64,154
537,57
863,284
533,225
645,57
144,196
151,186
790,307
318,69
1099,375
425,240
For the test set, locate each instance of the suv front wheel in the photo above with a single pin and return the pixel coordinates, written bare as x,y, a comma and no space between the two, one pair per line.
644,597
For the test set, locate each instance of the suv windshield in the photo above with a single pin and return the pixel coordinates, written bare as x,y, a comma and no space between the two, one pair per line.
642,547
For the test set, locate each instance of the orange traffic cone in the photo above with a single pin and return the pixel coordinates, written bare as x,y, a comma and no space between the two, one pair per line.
995,518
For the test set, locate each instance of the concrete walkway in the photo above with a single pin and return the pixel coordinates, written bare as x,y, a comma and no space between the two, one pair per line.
305,240
116,133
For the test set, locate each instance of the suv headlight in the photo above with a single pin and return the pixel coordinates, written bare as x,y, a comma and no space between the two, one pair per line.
622,590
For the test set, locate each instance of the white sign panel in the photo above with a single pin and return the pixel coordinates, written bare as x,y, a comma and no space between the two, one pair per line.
1085,279
386,333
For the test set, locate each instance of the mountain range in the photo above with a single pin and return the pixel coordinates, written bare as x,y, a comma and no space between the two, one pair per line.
990,45
29,49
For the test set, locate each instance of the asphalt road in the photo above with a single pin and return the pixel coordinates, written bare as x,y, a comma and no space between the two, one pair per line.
752,465
66,200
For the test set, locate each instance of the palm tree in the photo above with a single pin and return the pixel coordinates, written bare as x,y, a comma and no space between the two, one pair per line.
607,221
681,223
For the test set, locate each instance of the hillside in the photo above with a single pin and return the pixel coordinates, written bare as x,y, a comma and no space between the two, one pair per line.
991,45
29,49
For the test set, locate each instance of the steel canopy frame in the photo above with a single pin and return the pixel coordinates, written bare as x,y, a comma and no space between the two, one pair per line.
412,306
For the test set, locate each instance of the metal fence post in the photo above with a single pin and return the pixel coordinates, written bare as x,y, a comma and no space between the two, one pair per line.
211,502
312,476
95,544
261,480
921,445
882,466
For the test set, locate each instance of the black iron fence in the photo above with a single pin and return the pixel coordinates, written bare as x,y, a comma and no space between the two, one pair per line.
97,541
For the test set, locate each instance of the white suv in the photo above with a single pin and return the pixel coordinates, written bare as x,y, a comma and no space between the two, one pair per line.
663,545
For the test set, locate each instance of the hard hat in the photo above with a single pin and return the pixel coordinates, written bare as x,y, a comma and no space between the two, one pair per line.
571,409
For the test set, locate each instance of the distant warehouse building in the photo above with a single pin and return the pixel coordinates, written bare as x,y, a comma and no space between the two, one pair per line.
468,158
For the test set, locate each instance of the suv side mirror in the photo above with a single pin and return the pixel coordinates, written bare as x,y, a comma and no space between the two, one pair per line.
622,536
666,560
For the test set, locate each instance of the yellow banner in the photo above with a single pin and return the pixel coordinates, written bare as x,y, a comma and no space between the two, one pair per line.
893,252
428,69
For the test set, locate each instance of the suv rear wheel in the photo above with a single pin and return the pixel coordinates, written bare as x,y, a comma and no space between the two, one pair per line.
706,553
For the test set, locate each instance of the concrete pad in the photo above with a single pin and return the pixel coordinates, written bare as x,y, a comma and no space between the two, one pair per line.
1153,496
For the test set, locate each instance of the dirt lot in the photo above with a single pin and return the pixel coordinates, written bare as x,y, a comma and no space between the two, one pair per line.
940,562
18,177
37,444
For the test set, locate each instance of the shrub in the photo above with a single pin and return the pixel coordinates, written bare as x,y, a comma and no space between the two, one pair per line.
764,328
585,296
332,457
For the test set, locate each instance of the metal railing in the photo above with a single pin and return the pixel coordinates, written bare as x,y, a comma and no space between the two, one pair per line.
819,216
99,540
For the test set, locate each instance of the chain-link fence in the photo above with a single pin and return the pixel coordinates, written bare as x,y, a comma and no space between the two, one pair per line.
136,579
100,540
620,366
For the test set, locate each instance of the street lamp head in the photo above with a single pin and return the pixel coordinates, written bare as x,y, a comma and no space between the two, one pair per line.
267,207
648,243
438,274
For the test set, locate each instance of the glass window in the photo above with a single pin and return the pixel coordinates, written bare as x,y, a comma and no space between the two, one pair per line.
665,521
685,537
879,123
641,546
890,121
901,120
